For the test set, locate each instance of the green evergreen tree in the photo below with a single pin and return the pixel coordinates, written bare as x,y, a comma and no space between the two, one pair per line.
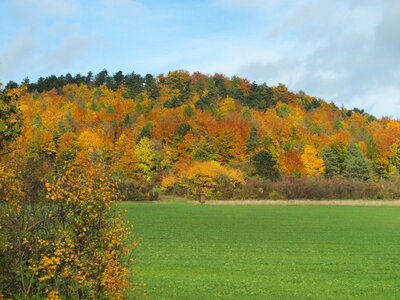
332,163
265,165
356,165
146,131
253,140
235,91
182,130
151,86
134,84
188,111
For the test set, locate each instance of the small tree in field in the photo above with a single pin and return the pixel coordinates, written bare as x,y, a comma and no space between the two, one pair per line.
208,177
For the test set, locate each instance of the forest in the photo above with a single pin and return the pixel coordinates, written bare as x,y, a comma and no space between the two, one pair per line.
187,133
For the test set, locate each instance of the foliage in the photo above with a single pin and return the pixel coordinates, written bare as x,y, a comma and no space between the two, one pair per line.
326,188
70,244
146,159
332,163
210,178
313,165
148,128
136,189
265,165
253,140
356,165
10,114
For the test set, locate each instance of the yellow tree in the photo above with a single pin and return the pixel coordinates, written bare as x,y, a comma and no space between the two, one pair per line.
209,177
313,165
89,140
146,159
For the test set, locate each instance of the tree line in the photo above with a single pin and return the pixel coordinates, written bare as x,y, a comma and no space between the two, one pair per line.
186,133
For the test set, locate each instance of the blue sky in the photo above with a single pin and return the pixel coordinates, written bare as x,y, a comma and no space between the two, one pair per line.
346,51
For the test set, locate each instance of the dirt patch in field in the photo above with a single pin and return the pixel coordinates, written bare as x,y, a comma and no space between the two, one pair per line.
306,202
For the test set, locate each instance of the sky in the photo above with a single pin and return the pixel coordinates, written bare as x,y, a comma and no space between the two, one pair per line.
345,51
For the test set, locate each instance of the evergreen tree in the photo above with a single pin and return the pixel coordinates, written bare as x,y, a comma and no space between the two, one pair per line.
182,130
356,165
265,165
117,80
101,78
188,111
146,131
253,140
151,86
260,97
235,90
134,84
332,163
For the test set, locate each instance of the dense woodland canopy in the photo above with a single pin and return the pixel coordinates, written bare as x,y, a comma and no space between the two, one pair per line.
188,133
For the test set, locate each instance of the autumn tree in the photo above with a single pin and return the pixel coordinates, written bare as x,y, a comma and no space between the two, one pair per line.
204,149
179,84
146,159
10,114
209,177
291,163
313,165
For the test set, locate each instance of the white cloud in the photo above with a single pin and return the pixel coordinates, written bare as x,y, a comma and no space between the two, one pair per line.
381,101
123,8
53,8
249,4
17,55
71,51
344,51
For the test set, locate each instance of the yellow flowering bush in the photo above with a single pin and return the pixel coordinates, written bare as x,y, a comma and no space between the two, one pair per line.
72,244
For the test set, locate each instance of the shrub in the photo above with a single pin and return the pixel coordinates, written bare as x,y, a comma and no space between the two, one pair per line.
323,188
137,190
70,244
390,189
255,187
211,178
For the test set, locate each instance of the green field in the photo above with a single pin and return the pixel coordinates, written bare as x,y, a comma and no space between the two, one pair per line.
266,252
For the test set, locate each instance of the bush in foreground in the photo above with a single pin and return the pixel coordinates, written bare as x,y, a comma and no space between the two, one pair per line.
70,244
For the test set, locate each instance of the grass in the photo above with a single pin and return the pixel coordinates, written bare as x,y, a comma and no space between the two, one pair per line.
266,252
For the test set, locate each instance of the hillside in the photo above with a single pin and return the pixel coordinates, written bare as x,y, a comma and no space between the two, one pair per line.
189,133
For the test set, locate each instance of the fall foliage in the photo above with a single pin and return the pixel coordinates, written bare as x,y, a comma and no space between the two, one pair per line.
152,130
